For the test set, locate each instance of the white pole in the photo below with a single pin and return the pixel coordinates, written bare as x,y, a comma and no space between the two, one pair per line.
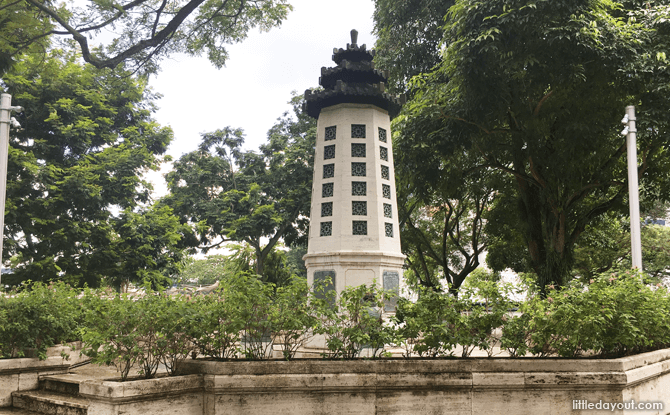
5,109
5,120
633,190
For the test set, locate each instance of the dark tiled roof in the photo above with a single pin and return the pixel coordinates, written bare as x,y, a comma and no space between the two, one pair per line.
353,80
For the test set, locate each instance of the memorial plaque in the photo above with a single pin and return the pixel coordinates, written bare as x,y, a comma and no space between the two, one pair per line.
326,281
391,289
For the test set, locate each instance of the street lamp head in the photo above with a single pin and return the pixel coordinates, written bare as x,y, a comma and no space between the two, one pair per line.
624,120
625,131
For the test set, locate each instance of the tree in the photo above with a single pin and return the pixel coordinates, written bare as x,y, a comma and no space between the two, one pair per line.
142,31
605,246
241,260
258,198
409,34
537,91
442,220
146,248
20,32
87,138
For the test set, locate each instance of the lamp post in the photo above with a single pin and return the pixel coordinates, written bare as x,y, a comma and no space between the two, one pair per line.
5,121
633,191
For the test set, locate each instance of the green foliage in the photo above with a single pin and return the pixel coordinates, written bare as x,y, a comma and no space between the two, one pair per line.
487,304
204,271
147,247
258,198
536,91
425,326
610,315
242,259
442,220
438,322
214,326
88,137
143,332
140,32
294,260
353,322
605,246
409,34
111,334
515,338
38,316
252,301
20,27
293,319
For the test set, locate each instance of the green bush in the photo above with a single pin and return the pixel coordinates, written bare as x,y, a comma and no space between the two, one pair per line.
484,304
252,300
293,318
425,327
38,316
112,333
213,325
611,315
144,332
438,321
353,322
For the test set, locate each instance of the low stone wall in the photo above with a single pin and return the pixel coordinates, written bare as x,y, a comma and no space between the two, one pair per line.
183,395
22,374
452,386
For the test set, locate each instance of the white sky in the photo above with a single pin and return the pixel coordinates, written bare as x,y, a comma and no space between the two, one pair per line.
252,91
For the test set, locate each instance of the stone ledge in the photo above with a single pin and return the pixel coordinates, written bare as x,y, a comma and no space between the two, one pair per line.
654,363
140,389
23,374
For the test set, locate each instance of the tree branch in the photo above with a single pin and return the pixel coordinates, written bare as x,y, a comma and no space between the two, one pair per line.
112,62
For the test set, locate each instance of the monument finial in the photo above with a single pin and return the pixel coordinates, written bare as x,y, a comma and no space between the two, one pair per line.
354,37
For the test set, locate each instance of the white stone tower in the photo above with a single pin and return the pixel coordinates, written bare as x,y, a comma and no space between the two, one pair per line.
353,237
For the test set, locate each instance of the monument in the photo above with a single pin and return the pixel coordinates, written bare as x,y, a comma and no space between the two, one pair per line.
354,237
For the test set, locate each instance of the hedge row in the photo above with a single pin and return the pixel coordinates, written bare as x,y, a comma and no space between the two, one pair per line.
612,315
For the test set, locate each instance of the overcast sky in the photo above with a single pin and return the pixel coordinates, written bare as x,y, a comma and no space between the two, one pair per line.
251,92
253,89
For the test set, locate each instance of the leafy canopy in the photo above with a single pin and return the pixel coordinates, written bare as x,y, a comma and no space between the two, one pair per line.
409,34
87,138
537,91
258,198
139,32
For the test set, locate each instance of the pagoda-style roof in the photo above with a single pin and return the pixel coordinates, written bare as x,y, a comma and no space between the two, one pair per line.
354,80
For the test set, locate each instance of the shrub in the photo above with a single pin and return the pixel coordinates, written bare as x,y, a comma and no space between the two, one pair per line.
129,332
426,326
213,326
251,299
38,316
293,319
111,334
484,306
353,322
611,315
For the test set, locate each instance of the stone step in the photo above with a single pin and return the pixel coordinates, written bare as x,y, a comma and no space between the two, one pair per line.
50,403
16,411
67,383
